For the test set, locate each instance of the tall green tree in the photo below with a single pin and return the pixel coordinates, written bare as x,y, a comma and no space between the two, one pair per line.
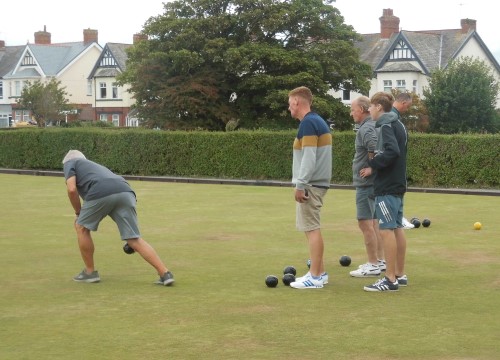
211,61
462,98
46,101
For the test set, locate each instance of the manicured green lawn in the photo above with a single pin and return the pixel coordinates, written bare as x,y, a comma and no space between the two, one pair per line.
221,241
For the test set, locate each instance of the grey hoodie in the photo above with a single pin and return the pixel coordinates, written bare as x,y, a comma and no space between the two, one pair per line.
366,140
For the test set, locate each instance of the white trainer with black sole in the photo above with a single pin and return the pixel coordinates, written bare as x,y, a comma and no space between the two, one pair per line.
381,265
407,224
366,270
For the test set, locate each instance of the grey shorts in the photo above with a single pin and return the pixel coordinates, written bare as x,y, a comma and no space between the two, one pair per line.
389,210
365,203
120,207
308,213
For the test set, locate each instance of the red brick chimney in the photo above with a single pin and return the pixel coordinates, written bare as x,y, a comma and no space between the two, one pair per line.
89,36
467,25
139,37
42,37
389,24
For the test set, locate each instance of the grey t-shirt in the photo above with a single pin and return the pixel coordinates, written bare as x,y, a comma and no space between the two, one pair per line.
94,181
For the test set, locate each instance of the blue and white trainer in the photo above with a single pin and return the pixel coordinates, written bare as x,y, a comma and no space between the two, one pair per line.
324,277
308,283
383,284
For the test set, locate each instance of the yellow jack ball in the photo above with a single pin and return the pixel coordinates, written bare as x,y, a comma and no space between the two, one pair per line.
477,226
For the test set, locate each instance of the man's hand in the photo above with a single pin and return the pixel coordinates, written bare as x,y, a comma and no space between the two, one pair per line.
301,196
365,172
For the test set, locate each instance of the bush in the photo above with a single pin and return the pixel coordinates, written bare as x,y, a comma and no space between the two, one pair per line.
469,161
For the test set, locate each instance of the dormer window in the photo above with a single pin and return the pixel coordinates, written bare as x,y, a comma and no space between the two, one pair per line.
28,60
401,51
108,60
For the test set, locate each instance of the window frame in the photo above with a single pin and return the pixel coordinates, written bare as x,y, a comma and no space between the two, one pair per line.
387,85
102,90
115,119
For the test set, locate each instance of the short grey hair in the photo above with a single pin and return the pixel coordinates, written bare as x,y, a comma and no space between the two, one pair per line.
363,102
73,154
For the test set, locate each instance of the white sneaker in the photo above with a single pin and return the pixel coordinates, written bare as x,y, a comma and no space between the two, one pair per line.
324,277
366,270
302,278
407,224
402,280
308,283
381,265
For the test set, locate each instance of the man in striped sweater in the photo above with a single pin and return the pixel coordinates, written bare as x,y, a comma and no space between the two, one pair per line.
312,172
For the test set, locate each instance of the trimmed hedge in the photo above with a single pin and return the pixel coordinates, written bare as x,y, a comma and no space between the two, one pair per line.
469,161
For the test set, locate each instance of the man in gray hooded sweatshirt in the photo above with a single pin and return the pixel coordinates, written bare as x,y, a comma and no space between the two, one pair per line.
389,165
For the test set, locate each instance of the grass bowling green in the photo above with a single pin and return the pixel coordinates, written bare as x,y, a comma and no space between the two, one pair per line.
221,241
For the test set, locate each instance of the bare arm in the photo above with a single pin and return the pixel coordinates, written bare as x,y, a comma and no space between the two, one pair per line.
73,196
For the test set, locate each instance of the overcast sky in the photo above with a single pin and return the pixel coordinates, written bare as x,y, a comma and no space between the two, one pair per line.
117,20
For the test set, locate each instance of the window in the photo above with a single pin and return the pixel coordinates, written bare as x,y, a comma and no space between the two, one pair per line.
415,86
116,119
1,89
346,95
132,122
103,117
114,91
107,60
28,60
102,87
401,51
401,85
387,85
89,87
17,115
18,88
26,115
4,120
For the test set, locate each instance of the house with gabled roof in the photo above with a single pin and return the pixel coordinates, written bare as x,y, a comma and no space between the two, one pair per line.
112,102
69,63
9,56
405,59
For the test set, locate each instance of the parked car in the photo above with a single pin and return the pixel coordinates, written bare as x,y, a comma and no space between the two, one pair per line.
30,123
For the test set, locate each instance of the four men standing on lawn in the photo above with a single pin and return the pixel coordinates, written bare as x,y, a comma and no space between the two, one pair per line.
312,158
